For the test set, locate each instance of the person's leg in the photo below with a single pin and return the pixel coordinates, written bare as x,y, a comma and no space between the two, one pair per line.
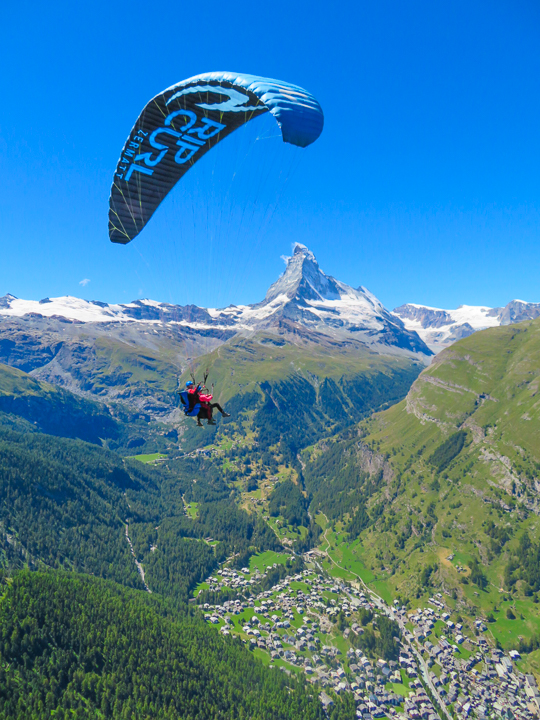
221,410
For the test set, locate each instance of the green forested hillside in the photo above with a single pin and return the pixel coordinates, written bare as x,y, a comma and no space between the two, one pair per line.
66,504
30,405
62,505
76,647
442,488
109,361
295,393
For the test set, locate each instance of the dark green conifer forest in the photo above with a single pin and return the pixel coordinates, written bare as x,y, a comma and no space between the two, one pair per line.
78,647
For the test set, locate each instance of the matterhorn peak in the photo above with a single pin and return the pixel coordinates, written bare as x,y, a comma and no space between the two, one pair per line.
303,279
304,302
299,249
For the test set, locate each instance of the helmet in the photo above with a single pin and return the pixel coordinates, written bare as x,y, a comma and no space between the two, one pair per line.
189,383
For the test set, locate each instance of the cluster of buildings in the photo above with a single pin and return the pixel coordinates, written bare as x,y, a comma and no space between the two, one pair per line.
294,623
485,683
237,580
440,672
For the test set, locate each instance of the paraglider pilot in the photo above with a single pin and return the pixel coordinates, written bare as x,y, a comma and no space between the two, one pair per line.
196,396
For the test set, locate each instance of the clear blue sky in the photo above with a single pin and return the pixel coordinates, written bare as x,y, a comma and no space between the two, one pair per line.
424,185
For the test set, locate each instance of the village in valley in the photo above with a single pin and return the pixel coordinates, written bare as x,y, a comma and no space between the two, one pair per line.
397,663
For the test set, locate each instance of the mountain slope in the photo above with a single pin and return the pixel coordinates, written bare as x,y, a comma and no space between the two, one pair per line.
53,410
243,363
453,470
130,364
293,393
63,505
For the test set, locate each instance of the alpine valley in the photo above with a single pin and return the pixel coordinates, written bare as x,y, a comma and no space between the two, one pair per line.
360,538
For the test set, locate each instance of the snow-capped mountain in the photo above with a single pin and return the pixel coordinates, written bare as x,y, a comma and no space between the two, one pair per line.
440,328
303,302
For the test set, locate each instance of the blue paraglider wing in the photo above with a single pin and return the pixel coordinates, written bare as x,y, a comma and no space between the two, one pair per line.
297,112
180,124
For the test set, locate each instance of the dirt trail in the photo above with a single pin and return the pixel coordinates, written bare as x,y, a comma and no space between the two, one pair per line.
137,563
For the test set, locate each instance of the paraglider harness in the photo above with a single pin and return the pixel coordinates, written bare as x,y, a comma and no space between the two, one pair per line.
186,398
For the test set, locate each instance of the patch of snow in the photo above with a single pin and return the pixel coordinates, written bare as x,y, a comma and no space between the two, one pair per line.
68,307
438,328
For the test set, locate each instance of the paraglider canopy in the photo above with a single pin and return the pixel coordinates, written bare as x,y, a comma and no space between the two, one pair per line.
180,125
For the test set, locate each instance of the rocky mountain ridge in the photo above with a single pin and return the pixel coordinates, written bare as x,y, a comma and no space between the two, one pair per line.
440,328
303,298
133,354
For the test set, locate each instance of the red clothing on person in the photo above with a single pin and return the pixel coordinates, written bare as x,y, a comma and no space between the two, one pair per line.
205,405
204,400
